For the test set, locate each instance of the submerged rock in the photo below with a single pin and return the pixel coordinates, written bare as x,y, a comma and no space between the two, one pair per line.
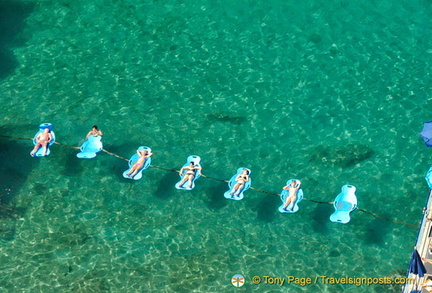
345,156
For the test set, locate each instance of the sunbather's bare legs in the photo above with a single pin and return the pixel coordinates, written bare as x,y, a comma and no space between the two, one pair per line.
186,178
237,188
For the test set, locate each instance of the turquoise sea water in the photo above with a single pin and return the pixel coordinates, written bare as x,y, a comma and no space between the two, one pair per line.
331,93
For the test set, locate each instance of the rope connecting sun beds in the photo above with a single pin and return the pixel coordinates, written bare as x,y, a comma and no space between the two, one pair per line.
223,180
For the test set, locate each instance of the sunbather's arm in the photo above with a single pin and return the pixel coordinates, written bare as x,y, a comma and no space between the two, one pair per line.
427,260
181,170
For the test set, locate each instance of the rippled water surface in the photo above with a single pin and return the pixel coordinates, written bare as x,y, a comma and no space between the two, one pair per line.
331,93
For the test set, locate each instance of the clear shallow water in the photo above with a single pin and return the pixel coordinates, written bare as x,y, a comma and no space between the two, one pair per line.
327,93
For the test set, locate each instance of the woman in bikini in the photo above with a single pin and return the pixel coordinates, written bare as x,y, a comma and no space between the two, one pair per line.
292,188
241,179
190,173
143,155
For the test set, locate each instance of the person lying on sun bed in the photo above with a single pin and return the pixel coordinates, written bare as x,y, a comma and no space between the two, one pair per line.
241,179
43,140
292,188
143,155
190,173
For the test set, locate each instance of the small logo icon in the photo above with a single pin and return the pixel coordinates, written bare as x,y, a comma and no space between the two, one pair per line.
237,280
256,280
